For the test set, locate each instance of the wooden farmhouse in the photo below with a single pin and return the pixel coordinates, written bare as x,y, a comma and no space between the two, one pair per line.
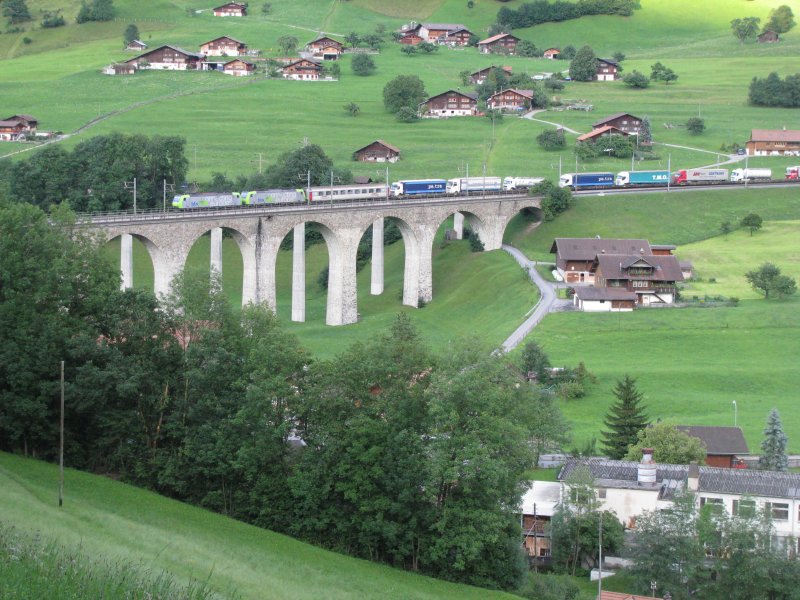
773,142
224,46
625,122
451,103
169,58
377,151
17,127
502,43
575,256
303,69
120,69
231,9
607,70
478,77
326,48
651,278
136,45
511,100
455,37
238,68
596,134
451,34
411,39
551,53
724,445
768,37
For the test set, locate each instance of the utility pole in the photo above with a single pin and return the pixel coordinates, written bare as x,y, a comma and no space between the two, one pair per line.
260,156
387,181
61,445
600,561
131,185
167,187
484,180
669,169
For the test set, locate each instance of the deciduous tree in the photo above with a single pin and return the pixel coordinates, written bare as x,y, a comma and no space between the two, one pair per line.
695,125
363,65
768,280
670,445
752,221
625,419
552,139
635,79
584,66
16,11
745,29
403,90
287,44
781,19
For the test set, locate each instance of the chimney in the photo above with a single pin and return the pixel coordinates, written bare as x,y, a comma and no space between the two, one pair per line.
693,478
646,473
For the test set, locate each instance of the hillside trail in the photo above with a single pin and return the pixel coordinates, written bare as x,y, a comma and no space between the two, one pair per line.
531,114
13,50
329,15
125,109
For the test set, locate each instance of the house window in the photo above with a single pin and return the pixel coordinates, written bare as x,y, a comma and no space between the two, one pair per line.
744,508
716,505
601,493
641,284
778,510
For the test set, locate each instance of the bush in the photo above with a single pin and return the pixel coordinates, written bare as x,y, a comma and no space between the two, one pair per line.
527,48
406,114
26,40
635,79
554,85
695,125
53,20
773,91
322,278
552,139
363,65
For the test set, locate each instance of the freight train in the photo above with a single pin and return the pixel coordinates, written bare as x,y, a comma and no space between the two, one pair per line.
477,185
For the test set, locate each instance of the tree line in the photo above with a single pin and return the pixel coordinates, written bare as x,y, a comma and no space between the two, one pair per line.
774,91
542,11
388,452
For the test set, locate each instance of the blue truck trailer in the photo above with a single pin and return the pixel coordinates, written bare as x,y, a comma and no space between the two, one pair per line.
626,178
586,180
418,187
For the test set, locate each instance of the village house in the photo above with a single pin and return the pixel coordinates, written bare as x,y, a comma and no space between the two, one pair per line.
725,446
629,488
238,68
607,70
167,57
575,256
551,53
451,103
625,122
773,142
452,34
511,100
136,45
377,151
224,46
502,43
326,48
411,39
602,299
119,69
538,506
29,123
456,37
652,278
768,37
231,9
596,134
12,130
305,69
478,77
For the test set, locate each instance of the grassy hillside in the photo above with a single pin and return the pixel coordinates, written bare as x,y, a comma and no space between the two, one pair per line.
274,116
117,522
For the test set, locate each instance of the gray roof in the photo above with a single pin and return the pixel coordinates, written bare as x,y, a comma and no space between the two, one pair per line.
602,293
589,248
669,478
445,26
665,267
718,440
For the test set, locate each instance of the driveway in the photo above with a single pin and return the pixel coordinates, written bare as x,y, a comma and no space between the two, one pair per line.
530,116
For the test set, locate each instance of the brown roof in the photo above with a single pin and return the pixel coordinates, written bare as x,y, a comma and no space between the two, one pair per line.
775,135
313,61
470,95
479,71
604,293
239,60
589,248
10,123
608,61
494,38
527,93
605,129
324,37
382,143
224,37
445,26
186,53
718,440
663,246
362,179
230,4
665,267
614,117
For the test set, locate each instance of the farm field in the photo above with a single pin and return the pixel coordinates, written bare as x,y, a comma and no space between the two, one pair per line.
272,117
112,521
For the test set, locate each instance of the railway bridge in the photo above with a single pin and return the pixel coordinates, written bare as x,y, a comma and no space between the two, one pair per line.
259,230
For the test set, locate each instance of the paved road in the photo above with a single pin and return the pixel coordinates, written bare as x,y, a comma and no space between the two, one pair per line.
546,300
530,116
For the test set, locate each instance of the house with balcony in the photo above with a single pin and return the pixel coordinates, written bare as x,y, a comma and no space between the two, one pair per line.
652,278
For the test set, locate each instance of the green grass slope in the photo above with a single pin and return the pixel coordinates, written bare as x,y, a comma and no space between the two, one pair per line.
110,520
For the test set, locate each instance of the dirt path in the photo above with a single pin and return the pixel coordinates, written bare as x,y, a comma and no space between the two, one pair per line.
530,116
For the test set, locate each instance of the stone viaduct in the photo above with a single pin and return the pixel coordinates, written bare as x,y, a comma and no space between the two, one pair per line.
259,231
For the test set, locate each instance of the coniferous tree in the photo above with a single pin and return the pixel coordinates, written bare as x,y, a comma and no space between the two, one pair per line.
625,419
773,448
16,11
131,33
645,135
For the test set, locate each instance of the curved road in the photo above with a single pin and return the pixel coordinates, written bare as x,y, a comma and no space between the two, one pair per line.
546,300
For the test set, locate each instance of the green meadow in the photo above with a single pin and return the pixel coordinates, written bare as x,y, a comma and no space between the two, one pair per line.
118,523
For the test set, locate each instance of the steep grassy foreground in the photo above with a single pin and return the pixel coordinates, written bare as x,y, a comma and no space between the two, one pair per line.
112,521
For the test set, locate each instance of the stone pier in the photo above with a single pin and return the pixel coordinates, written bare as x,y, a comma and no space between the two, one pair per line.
299,273
458,225
126,261
216,250
376,285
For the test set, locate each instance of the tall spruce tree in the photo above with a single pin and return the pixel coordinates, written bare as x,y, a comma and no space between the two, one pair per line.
625,419
645,135
773,448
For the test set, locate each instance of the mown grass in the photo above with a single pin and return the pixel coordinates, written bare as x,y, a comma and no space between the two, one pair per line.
32,566
118,523
677,217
